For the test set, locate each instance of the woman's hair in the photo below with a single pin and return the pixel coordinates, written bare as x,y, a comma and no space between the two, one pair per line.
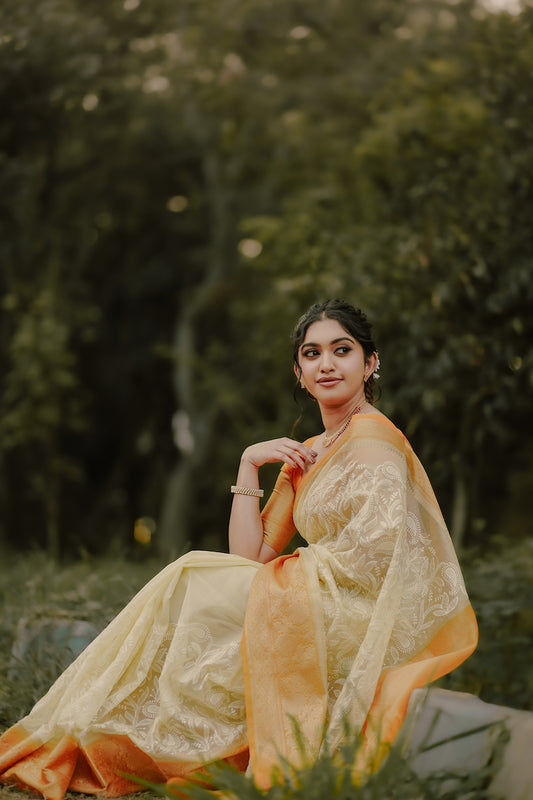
354,322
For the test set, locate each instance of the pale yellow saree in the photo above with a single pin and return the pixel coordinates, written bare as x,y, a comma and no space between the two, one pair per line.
341,631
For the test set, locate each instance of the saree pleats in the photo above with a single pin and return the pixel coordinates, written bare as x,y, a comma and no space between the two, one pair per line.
284,669
95,768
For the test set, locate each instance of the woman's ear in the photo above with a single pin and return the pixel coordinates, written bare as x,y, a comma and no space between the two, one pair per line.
371,365
298,373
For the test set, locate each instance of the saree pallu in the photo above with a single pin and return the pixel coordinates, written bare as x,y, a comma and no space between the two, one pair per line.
337,634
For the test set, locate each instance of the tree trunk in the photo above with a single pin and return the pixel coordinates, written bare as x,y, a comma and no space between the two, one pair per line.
461,504
460,507
174,529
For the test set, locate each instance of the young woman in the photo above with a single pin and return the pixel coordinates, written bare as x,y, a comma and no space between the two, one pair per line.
218,655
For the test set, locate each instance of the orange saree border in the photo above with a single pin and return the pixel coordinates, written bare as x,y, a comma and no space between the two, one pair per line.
284,670
61,764
451,645
95,768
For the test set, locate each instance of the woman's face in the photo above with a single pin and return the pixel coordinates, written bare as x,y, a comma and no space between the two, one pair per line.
333,365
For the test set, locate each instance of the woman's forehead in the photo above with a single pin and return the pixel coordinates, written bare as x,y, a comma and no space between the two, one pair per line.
325,330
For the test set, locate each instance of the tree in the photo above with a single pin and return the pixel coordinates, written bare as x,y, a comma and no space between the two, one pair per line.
189,177
41,401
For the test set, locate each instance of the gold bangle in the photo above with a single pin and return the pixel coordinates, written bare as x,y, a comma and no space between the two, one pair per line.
247,490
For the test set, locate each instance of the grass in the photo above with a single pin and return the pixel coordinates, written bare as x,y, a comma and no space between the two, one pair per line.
35,589
12,793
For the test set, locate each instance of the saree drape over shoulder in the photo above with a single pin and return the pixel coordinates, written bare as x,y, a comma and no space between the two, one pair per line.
218,655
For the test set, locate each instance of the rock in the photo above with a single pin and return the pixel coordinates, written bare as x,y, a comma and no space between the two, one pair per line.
466,735
35,639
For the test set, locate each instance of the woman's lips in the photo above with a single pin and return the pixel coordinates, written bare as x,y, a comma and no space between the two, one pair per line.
329,381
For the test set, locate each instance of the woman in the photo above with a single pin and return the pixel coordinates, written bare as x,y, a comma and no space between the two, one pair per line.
220,653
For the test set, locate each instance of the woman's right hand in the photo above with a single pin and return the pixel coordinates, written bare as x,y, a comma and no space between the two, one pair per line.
246,526
293,453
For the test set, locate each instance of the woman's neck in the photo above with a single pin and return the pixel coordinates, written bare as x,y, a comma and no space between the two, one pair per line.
334,417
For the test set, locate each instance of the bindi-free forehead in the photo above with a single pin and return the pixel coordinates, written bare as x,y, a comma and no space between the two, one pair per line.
325,332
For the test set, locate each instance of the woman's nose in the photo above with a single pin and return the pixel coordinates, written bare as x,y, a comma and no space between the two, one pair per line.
325,363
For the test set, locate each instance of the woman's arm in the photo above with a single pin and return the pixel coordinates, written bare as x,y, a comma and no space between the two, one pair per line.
245,525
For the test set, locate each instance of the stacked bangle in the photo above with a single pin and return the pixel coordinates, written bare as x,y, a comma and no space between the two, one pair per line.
247,490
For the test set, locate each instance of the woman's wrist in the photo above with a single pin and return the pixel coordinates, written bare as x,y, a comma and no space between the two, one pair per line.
247,460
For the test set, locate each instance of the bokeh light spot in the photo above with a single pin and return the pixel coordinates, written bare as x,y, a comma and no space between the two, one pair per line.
300,32
177,203
90,102
144,529
159,83
250,248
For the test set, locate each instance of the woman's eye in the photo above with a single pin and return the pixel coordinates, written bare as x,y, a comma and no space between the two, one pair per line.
310,353
343,350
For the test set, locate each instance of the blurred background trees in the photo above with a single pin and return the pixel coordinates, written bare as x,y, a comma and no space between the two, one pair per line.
179,180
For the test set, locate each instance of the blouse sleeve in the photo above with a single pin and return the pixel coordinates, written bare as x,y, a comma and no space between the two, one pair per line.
278,524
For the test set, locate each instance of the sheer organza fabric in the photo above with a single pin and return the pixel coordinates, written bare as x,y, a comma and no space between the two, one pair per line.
218,655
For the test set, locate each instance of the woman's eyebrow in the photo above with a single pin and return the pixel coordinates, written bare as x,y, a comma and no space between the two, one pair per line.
333,341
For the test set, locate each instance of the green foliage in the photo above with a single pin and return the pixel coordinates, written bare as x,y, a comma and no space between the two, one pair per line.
501,589
333,776
42,392
381,151
41,400
428,231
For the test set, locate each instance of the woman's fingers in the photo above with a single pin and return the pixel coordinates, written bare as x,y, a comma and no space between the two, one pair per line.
294,456
288,450
295,453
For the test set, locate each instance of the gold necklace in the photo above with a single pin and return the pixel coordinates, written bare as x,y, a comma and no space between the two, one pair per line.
327,441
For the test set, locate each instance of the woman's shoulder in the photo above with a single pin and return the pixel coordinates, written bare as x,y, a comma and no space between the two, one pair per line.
375,417
375,424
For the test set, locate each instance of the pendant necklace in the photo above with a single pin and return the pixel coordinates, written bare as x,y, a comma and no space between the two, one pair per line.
327,441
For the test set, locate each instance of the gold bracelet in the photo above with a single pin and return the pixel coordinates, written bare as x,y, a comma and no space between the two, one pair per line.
247,490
